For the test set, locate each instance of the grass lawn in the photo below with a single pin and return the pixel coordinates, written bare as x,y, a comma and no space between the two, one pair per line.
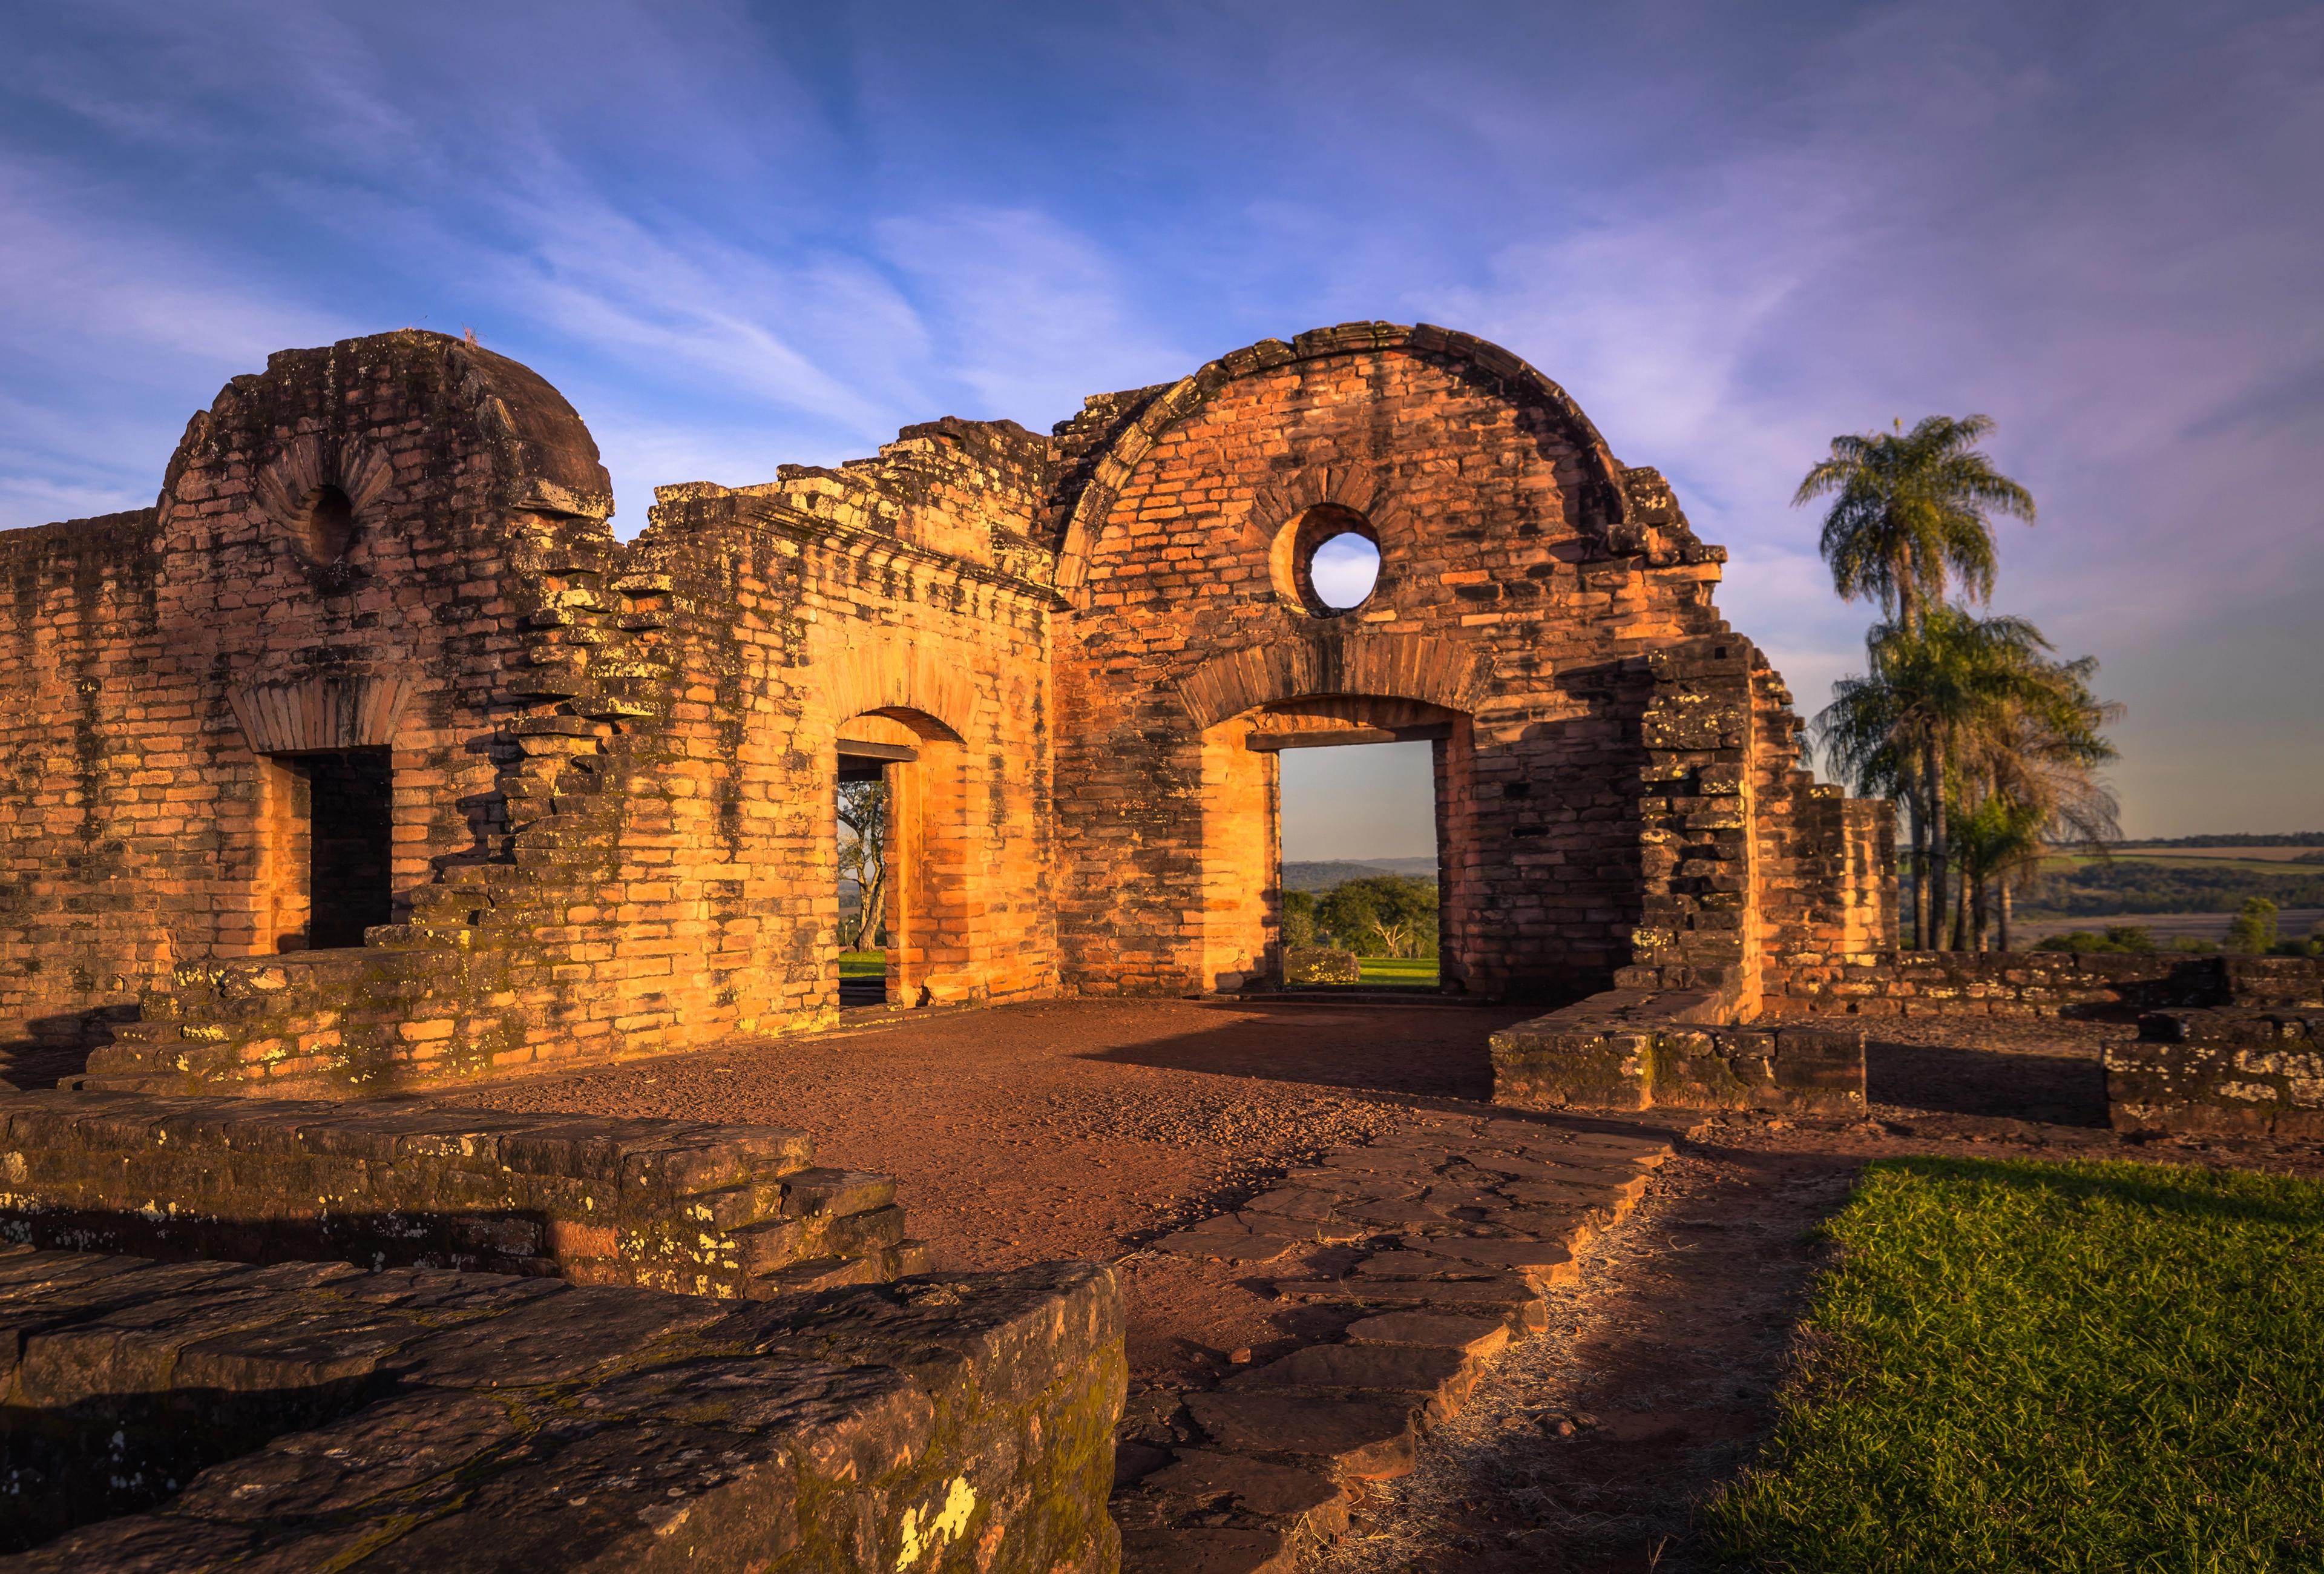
863,964
1398,969
2016,1366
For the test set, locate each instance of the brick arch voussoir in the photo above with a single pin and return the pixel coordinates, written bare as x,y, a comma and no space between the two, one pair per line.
1482,361
1447,673
901,680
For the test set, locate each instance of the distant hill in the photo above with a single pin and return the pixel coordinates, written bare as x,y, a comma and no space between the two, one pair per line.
1324,876
2130,885
1427,865
1325,873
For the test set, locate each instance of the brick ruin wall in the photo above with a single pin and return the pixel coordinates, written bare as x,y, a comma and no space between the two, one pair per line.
1540,611
610,766
316,1415
2234,1071
730,1211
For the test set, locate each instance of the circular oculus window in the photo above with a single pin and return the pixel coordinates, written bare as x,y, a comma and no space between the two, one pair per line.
1327,559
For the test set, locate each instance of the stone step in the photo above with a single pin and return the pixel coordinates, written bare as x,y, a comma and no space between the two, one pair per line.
1254,1486
824,1274
1368,1439
1441,1378
1540,1262
807,1193
1510,1298
1472,1337
765,1247
1579,1188
731,1208
872,1231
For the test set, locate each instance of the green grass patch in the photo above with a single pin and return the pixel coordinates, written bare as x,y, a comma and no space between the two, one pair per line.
863,964
1396,969
2054,1367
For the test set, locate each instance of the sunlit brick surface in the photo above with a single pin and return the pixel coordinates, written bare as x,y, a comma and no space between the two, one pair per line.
612,763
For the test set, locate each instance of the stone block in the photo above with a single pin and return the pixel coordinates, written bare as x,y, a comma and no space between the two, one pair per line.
524,1424
1320,964
601,1202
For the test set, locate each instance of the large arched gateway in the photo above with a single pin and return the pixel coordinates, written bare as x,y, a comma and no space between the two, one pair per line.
375,666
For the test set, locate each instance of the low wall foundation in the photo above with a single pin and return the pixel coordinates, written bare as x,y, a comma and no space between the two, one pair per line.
2221,1072
1644,1048
1626,1051
730,1211
313,1415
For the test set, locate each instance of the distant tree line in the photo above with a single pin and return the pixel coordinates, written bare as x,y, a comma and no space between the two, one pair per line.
2254,934
1376,915
2133,886
2294,839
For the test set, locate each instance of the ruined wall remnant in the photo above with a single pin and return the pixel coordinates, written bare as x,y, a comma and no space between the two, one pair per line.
369,758
2234,1071
314,1415
734,1212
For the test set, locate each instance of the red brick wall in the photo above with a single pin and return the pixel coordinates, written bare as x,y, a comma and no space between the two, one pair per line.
1519,594
614,766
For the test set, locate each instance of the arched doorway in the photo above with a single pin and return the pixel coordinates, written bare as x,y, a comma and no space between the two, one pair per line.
928,925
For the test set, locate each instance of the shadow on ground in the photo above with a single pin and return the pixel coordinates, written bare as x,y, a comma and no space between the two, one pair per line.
2054,1090
1410,1052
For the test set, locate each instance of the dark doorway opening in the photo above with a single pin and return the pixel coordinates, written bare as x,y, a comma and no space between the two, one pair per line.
350,842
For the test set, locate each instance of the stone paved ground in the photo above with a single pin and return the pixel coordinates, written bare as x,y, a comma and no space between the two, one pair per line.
1092,1128
1077,1129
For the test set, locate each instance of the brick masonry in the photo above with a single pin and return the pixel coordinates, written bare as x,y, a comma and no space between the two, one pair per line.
381,573
1633,1049
313,1415
715,1210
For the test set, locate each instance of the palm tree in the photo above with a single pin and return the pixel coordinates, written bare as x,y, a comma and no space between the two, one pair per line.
1930,694
1909,517
1995,838
2036,761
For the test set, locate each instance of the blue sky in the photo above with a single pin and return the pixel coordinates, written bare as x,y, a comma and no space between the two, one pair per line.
736,236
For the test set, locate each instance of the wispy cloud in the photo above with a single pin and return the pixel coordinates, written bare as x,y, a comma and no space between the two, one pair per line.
736,236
